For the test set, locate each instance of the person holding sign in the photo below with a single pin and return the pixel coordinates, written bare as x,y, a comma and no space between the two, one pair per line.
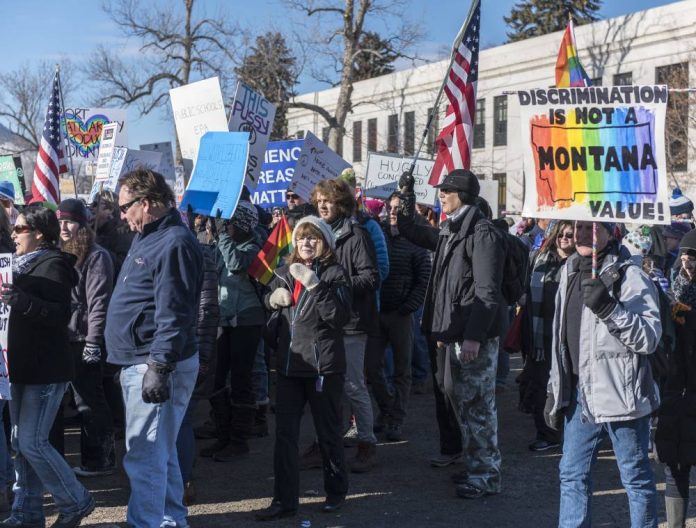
601,383
40,368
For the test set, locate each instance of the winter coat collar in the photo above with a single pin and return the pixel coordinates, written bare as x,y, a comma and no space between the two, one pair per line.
170,219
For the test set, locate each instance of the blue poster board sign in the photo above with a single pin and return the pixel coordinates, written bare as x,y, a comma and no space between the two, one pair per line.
276,173
217,180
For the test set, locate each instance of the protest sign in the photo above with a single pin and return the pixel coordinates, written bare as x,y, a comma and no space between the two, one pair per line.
218,177
11,171
489,192
83,130
276,173
317,162
5,278
125,160
166,164
198,108
252,113
383,173
595,153
106,151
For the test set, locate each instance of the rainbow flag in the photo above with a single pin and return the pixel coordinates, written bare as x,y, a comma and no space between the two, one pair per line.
277,245
569,71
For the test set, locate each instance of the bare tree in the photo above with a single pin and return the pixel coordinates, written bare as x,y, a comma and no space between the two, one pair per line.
341,27
174,46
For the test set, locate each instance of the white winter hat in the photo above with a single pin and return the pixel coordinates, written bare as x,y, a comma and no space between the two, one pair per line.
320,225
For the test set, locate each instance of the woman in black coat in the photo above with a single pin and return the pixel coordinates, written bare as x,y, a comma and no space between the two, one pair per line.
312,299
40,366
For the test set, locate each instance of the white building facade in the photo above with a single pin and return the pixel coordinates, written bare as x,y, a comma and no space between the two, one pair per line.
655,46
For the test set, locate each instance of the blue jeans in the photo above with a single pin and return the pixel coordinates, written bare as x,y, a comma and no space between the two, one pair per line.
420,359
186,443
151,461
38,465
580,448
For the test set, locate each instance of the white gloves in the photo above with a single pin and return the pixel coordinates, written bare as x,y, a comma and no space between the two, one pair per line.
280,298
304,275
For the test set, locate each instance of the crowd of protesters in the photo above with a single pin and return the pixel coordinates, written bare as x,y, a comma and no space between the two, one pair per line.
135,314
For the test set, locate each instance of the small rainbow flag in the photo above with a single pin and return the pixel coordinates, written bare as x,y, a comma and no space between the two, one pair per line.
569,71
276,247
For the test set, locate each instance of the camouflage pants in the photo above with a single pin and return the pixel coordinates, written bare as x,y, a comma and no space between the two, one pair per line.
471,390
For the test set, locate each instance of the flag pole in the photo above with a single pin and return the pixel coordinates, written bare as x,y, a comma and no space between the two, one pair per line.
442,88
66,142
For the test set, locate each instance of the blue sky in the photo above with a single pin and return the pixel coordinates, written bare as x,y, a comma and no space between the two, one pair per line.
35,30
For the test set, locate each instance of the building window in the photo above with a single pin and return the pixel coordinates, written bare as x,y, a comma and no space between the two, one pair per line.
677,121
325,135
357,141
597,81
500,120
480,124
623,79
501,178
409,133
432,131
300,134
393,133
372,135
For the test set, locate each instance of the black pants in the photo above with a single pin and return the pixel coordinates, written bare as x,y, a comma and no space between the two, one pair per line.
291,396
677,481
97,431
450,433
235,410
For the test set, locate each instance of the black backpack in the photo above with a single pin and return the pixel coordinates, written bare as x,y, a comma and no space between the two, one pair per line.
515,269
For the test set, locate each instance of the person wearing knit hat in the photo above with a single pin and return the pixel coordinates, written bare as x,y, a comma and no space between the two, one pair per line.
684,286
638,244
322,226
680,206
7,199
73,210
245,217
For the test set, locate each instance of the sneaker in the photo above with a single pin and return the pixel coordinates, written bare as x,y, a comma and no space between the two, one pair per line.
311,458
74,520
350,439
441,461
394,433
365,459
543,445
469,491
233,451
218,445
87,472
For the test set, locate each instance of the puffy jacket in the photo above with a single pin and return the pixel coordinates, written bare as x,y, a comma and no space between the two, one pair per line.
356,254
310,334
379,242
207,324
463,294
404,288
153,310
615,380
240,304
90,297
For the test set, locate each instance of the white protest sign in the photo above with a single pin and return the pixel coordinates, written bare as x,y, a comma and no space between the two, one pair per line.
317,162
383,173
489,192
125,160
198,108
166,164
106,151
5,278
252,113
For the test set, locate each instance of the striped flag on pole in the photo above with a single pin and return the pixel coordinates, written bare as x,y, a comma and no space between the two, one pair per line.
50,162
455,139
278,244
569,71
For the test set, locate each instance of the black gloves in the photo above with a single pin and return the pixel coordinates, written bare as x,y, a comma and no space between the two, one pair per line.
91,354
596,297
554,421
407,182
14,297
155,382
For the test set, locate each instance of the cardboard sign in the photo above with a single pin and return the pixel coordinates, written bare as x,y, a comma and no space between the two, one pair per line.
198,108
595,153
317,162
217,180
83,130
11,171
276,173
106,151
252,113
166,164
383,173
5,278
125,160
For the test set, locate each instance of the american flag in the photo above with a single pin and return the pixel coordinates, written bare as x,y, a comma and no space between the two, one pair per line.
50,161
455,139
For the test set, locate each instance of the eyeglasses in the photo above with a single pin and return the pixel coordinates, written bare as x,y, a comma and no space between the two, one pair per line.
124,208
567,236
22,228
312,240
292,197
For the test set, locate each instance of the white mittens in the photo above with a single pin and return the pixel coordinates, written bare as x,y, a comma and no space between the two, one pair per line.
280,298
304,275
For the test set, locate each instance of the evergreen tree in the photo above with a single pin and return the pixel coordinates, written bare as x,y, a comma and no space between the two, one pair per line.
532,18
270,69
375,57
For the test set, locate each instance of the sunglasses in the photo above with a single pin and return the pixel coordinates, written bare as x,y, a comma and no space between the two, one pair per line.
19,229
124,208
292,197
567,236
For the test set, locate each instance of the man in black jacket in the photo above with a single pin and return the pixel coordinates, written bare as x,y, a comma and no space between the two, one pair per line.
401,294
461,305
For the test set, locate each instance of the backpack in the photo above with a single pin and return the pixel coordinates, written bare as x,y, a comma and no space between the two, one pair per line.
662,358
515,269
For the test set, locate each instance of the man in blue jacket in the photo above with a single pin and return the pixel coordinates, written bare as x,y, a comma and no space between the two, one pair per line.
150,334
